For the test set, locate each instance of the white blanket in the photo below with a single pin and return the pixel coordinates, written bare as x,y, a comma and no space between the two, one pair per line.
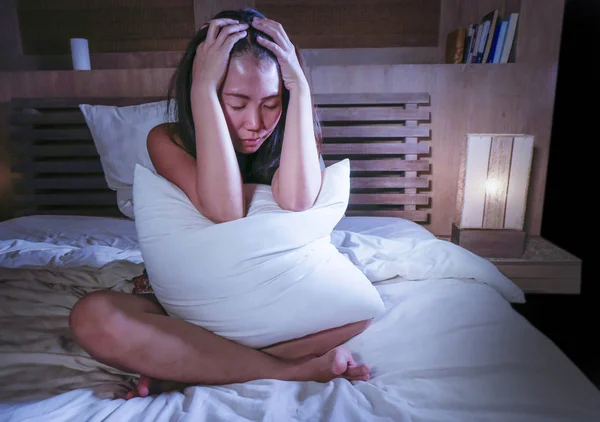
449,346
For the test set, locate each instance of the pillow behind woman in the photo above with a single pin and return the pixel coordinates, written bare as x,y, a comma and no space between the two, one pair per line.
269,277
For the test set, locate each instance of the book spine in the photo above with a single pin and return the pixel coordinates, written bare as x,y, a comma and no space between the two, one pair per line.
501,39
510,37
490,57
468,42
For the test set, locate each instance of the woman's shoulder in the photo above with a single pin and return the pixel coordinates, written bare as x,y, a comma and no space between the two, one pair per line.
163,132
161,129
163,143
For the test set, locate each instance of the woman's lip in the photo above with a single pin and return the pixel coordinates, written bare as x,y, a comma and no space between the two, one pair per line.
250,141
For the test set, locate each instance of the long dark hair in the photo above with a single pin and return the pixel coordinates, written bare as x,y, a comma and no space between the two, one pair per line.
260,166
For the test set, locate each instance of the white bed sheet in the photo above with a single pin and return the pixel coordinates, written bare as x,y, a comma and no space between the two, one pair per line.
448,348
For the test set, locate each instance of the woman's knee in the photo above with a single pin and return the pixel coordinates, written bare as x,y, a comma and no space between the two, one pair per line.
93,320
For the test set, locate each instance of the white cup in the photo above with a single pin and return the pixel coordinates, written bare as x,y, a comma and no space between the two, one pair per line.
80,54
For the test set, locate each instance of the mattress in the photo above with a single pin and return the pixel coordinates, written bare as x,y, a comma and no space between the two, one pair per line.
449,346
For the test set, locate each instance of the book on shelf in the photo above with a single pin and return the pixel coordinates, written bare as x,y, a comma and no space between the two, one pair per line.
469,40
492,20
455,46
492,40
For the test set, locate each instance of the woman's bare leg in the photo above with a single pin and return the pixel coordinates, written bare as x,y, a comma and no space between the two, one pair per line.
133,334
317,344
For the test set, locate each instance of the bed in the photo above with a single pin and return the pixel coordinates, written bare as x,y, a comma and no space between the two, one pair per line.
449,346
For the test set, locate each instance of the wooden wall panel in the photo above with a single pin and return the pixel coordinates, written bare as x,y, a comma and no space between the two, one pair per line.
91,83
205,10
538,41
356,23
109,25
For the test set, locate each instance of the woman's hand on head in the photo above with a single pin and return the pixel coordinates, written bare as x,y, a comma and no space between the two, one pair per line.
212,55
291,71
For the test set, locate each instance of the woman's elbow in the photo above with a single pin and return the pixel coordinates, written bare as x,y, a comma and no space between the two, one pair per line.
219,216
297,205
225,216
218,219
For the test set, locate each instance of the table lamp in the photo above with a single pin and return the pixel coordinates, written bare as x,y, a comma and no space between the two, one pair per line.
492,194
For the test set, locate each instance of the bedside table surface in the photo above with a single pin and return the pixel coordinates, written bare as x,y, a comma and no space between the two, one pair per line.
543,268
538,249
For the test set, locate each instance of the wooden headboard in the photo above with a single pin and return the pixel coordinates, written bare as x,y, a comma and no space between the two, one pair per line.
57,170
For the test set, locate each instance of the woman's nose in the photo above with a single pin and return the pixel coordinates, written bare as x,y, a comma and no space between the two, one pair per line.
253,120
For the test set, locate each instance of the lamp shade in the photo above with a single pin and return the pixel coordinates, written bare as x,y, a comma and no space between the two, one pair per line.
494,181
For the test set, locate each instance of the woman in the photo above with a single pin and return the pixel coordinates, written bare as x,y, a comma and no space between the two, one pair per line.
244,118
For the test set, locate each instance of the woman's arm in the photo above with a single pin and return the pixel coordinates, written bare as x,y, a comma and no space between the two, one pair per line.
213,181
219,183
297,181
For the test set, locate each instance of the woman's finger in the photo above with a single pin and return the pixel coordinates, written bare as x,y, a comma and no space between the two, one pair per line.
276,49
274,29
232,39
215,26
229,30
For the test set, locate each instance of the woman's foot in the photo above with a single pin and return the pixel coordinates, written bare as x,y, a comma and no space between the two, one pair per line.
147,386
337,363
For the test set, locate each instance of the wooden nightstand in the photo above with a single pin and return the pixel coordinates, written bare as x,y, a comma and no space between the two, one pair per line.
544,268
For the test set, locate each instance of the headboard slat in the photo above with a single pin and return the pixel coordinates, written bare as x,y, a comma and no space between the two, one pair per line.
58,199
73,103
374,131
391,182
388,199
375,148
366,100
392,164
408,215
64,183
372,114
48,118
63,134
62,150
62,167
92,211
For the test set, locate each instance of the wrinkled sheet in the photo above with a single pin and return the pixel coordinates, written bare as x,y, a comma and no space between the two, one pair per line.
449,346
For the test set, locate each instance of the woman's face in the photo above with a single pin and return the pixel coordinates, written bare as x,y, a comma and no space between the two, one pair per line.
251,101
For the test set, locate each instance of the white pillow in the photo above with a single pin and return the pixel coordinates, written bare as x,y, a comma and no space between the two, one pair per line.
120,135
269,277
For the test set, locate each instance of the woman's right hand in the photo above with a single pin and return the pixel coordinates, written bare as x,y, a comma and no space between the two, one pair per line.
212,55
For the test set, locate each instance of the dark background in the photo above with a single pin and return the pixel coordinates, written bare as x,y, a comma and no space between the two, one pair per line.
569,216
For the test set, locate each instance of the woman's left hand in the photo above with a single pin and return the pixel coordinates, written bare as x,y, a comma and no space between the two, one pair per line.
291,71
